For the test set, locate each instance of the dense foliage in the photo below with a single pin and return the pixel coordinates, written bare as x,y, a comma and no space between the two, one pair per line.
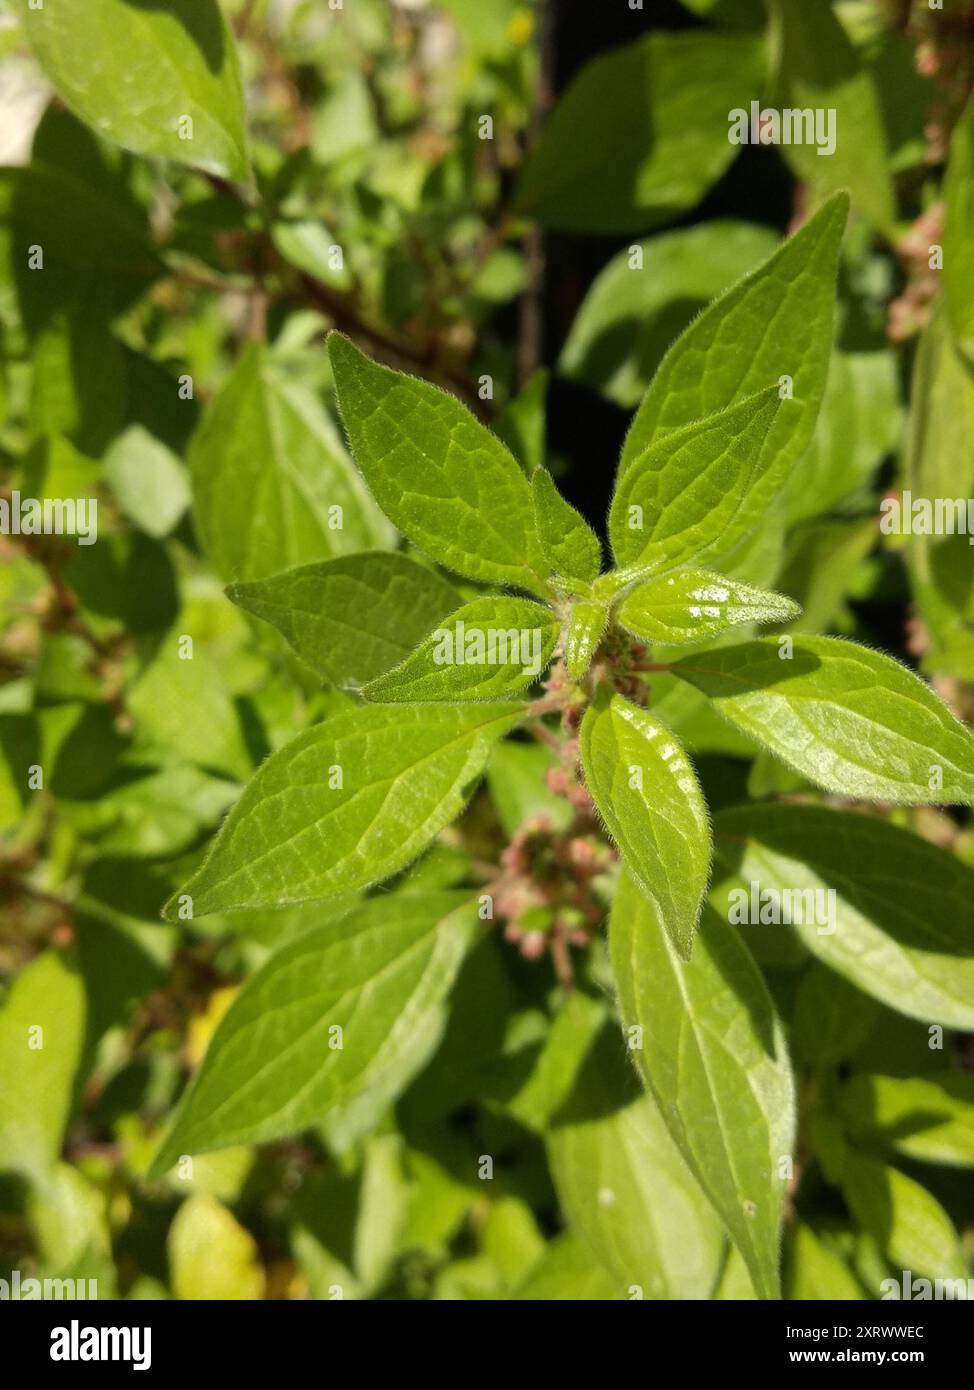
414,885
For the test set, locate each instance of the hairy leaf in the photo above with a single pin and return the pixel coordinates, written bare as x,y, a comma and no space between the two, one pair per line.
346,804
697,605
775,323
448,484
352,618
712,1053
850,719
492,647
586,628
645,788
692,492
337,1022
570,545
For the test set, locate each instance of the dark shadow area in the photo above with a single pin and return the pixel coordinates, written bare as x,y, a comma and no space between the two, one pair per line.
734,966
641,339
585,430
606,1081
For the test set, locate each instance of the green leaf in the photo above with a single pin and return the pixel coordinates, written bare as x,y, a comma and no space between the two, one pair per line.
832,1018
735,14
522,424
161,812
345,121
903,908
272,484
346,804
848,718
486,30
211,1255
160,80
68,1219
352,618
448,483
570,545
97,262
641,133
148,481
42,1028
694,491
626,1190
905,93
173,683
697,605
511,1239
107,237
492,647
712,1053
820,70
860,421
941,465
930,1118
308,246
382,1208
958,217
577,1023
640,302
276,1063
776,322
567,1273
647,792
820,568
586,628
735,1284
814,1271
909,1225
